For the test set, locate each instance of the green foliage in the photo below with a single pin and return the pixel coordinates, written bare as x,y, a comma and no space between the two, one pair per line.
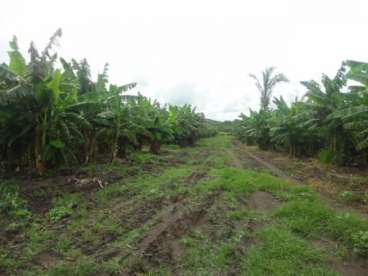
53,116
318,218
241,182
253,129
330,120
360,242
186,124
11,203
38,238
349,196
58,213
83,266
17,63
112,267
326,156
282,253
63,207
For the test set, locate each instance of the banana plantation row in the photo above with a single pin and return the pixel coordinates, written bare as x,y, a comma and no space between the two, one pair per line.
51,116
330,121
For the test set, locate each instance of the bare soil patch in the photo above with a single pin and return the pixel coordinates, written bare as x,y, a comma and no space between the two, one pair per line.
263,201
352,267
47,259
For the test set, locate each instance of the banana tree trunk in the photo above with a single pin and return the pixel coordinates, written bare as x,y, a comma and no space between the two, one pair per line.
155,147
90,146
114,150
92,149
40,168
115,142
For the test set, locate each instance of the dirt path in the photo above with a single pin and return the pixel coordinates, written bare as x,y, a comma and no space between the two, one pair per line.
278,172
348,185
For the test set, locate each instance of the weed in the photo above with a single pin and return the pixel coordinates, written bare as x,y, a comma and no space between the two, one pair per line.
84,266
327,156
11,203
315,218
63,206
112,267
360,242
141,158
63,244
349,197
237,214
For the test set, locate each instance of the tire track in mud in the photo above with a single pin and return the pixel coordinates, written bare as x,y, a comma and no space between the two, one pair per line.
171,224
159,245
274,170
133,215
171,218
137,211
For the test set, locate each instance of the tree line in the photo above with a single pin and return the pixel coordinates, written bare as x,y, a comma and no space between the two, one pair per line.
329,121
53,113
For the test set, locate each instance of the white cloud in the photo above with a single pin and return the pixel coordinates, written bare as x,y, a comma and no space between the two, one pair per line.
199,52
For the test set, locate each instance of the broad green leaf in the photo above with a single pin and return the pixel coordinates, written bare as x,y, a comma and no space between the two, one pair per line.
54,85
17,63
57,144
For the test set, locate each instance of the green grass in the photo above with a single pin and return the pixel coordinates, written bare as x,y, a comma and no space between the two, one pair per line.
315,218
12,205
205,257
144,185
241,181
63,205
279,252
84,266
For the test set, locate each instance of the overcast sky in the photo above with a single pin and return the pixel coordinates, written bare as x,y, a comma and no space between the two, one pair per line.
197,51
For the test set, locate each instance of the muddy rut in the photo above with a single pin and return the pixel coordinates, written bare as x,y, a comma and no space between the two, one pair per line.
158,243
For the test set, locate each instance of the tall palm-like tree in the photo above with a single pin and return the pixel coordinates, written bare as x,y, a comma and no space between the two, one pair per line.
266,84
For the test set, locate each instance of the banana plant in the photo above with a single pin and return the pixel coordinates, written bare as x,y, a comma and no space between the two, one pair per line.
113,118
355,113
35,88
324,102
51,116
185,123
290,129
